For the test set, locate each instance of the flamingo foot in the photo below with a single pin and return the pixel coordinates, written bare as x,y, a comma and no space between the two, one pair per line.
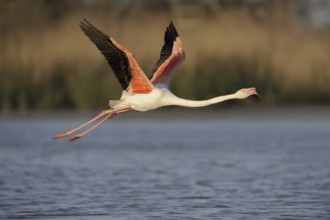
74,137
61,135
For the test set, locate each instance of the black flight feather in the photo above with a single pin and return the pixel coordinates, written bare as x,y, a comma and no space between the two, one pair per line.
116,58
170,35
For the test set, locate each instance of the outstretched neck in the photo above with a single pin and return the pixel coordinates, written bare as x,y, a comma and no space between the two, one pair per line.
191,103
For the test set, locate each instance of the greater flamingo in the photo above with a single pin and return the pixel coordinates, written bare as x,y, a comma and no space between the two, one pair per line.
139,92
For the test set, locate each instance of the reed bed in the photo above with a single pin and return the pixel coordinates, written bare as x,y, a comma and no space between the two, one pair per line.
56,66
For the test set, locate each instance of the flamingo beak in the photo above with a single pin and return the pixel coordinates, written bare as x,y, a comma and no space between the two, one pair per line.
254,92
257,94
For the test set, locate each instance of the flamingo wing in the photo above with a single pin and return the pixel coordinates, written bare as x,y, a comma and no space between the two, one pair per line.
171,55
120,59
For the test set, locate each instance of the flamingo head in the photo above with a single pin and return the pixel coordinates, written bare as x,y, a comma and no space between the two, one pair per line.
244,93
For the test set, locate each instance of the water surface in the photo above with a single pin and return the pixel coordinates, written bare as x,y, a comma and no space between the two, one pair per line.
265,164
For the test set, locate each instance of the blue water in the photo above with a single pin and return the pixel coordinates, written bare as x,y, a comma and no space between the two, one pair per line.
265,164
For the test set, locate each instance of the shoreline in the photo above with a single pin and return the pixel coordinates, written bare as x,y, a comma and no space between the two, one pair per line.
173,113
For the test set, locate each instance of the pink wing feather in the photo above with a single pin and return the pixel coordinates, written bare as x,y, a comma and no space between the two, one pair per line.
172,54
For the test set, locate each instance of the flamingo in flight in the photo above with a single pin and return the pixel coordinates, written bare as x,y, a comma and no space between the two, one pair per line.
139,92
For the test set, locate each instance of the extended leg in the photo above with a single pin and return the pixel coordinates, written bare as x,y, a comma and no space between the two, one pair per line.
110,115
64,134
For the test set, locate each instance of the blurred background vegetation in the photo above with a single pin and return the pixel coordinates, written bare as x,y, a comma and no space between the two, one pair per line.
281,47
